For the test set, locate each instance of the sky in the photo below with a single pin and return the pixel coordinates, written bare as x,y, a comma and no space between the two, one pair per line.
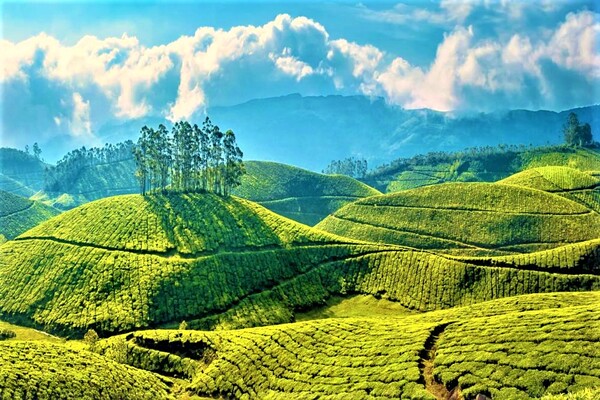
68,69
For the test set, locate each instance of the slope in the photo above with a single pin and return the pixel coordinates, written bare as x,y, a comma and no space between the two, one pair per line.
92,183
20,172
43,370
518,348
483,165
302,195
567,182
468,218
18,214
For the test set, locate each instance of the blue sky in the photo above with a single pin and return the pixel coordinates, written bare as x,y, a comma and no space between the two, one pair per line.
70,68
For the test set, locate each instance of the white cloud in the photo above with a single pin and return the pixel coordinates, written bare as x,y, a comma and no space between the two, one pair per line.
117,77
574,44
80,120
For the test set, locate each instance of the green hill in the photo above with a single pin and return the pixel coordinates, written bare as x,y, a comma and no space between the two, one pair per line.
92,183
570,183
20,173
301,195
18,214
471,218
43,370
130,262
553,179
517,348
477,165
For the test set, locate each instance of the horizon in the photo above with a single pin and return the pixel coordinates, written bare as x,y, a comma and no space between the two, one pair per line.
74,70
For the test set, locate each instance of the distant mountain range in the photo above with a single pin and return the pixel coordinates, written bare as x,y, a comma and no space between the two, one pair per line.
309,132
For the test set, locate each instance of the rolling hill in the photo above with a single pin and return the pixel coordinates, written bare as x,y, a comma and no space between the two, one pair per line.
18,214
20,173
467,218
301,195
130,262
517,348
43,370
567,182
478,165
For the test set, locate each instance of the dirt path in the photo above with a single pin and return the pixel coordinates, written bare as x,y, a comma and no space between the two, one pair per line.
426,364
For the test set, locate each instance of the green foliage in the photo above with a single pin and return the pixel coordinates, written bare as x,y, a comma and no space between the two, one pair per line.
575,134
190,159
519,347
553,179
6,334
473,217
129,262
90,338
299,194
485,165
42,370
20,173
18,214
523,355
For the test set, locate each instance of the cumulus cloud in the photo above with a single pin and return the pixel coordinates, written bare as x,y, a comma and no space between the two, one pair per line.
80,120
95,81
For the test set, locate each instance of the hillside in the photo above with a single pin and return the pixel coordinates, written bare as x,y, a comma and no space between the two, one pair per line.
43,370
130,262
20,173
567,182
301,195
468,218
94,182
18,214
477,165
518,348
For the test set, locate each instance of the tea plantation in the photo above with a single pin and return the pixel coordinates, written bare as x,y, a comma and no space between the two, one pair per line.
518,348
42,370
131,262
468,218
301,195
18,214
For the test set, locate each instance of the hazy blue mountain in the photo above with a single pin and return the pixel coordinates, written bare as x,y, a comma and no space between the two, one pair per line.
311,131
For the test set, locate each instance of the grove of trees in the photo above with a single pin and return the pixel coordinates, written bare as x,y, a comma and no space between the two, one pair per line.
356,168
68,169
576,134
188,159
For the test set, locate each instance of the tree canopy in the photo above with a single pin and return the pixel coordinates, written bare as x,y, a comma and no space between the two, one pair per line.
576,134
188,159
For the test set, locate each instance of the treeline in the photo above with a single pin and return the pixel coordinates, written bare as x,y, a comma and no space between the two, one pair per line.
60,177
188,159
354,167
497,156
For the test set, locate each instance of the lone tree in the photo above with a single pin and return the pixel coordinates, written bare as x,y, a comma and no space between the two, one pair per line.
575,134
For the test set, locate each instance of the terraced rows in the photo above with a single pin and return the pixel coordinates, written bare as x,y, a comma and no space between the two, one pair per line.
523,356
553,179
517,348
18,214
475,217
47,371
301,195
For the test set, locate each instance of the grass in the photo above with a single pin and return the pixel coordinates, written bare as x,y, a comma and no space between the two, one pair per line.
302,195
521,347
18,214
354,307
472,217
